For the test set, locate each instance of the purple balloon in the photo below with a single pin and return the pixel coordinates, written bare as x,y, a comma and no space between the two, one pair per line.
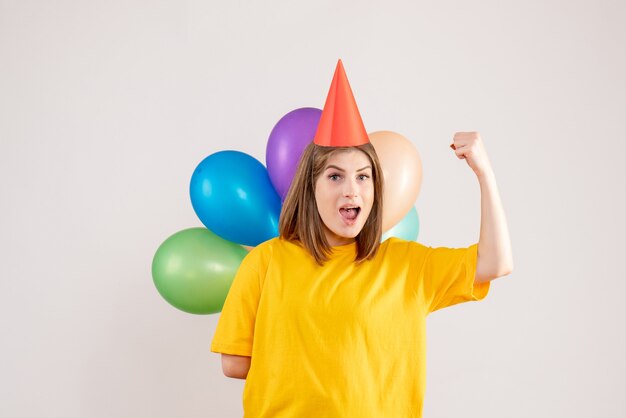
286,143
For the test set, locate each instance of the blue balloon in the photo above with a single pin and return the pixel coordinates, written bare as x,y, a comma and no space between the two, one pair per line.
408,228
232,195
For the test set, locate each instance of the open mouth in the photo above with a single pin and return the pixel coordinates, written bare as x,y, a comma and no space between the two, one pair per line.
350,213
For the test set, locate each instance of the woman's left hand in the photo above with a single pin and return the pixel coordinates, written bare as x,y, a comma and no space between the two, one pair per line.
469,146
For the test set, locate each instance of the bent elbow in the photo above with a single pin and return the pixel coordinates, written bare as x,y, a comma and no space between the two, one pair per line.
505,271
504,267
508,268
483,276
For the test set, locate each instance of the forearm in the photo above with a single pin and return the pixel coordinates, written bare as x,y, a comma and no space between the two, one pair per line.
495,257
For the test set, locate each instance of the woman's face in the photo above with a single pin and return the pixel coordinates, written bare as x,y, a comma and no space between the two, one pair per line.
344,194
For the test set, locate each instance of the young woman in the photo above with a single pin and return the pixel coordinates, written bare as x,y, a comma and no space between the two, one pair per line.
326,321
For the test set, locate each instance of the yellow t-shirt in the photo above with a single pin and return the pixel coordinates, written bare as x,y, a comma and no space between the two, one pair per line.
339,340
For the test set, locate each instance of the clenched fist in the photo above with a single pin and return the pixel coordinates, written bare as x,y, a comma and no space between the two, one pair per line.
469,146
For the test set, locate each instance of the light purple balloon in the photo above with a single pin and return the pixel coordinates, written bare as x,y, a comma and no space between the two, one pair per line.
286,143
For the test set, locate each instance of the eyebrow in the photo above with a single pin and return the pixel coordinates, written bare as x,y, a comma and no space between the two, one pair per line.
341,169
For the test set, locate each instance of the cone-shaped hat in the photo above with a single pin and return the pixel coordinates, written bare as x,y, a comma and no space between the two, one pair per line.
340,124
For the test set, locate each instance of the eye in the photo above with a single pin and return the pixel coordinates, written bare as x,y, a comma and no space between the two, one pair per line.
334,177
363,176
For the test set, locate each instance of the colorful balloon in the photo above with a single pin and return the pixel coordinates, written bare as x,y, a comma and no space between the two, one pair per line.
286,143
408,228
194,268
232,195
402,168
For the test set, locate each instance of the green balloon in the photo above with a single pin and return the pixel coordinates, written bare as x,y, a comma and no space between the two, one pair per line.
408,228
194,268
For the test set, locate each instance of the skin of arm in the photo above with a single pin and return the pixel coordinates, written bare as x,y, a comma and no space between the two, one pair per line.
235,366
495,257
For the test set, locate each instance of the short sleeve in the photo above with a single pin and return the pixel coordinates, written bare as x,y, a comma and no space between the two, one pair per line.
235,327
448,277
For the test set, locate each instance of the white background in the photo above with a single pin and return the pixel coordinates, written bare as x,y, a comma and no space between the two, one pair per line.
107,107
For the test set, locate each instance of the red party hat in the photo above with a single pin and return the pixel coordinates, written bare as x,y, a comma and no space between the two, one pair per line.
340,124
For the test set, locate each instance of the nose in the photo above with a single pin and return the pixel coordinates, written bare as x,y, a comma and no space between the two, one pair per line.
350,188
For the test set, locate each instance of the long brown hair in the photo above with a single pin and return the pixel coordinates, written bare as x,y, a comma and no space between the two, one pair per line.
300,219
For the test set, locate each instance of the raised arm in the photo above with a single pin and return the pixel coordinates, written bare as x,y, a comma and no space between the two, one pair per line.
495,257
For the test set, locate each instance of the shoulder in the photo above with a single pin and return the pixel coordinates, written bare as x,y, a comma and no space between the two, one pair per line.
398,244
403,251
276,244
395,245
262,254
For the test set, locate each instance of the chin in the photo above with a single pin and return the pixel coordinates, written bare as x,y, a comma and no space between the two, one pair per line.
350,234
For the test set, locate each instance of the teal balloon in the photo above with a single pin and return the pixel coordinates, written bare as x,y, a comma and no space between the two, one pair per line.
194,268
408,228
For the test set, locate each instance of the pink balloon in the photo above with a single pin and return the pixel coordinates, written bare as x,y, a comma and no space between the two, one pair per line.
402,169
